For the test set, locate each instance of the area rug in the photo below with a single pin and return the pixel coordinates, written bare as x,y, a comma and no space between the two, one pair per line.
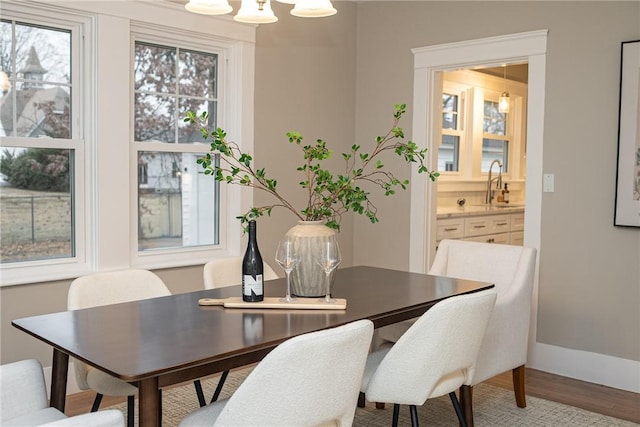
493,407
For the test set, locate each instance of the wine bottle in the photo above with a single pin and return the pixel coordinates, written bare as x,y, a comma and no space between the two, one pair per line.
252,269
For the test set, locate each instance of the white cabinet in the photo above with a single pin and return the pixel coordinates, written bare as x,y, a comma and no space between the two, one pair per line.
499,228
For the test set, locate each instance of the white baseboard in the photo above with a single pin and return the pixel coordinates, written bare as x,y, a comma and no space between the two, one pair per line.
595,368
72,386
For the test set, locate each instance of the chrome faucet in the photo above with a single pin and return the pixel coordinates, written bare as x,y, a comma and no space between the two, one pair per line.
489,196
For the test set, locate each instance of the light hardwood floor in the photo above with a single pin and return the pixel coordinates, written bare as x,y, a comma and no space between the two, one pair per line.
592,397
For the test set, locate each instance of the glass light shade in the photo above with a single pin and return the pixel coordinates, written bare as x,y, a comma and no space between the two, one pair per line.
287,1
313,8
250,13
503,102
208,7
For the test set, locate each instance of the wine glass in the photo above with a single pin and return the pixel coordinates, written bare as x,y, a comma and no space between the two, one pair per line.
287,257
329,259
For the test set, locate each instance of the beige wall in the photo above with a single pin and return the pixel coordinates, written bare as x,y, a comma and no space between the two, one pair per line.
338,79
589,276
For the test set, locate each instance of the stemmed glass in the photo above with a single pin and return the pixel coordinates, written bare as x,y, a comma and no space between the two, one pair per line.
329,259
287,257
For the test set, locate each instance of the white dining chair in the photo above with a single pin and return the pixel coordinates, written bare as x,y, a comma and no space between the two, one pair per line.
219,273
309,380
111,288
23,401
434,357
511,269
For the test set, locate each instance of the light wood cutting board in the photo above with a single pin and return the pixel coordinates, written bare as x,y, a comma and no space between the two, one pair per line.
274,302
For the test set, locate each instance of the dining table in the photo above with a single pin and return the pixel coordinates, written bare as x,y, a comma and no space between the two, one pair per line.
155,343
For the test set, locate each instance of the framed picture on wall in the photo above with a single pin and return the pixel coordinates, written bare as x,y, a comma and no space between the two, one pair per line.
627,209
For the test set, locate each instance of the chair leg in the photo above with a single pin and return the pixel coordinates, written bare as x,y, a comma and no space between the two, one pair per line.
396,414
198,385
466,401
96,402
361,400
458,409
518,386
131,401
414,415
216,393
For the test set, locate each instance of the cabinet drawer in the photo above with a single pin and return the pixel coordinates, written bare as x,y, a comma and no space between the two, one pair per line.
517,222
450,228
502,238
481,225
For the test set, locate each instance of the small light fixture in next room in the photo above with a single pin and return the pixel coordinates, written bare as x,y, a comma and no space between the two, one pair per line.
503,101
259,11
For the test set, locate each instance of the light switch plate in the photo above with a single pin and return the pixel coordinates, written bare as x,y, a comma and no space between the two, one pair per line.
547,183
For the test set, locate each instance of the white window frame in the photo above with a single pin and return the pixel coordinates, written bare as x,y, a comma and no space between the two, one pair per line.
463,131
163,257
81,27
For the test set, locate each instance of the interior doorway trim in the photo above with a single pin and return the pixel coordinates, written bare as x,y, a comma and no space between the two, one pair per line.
429,62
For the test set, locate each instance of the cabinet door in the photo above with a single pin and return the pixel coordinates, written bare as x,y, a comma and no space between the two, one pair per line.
517,238
517,222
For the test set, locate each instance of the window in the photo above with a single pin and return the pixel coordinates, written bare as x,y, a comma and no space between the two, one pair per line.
449,151
177,204
495,144
41,159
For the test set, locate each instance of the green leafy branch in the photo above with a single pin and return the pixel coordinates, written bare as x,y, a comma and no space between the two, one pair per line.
329,196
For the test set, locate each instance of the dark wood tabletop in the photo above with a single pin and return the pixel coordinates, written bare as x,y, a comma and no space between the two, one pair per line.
162,341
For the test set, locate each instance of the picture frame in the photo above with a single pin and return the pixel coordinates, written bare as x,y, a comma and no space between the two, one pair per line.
627,204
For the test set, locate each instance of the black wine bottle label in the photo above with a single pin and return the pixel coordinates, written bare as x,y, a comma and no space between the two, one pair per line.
252,288
252,269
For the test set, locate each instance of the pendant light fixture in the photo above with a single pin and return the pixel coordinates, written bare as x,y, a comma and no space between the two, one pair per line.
503,101
313,8
259,11
256,12
208,7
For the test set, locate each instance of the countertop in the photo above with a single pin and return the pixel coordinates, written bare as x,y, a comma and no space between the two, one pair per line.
476,210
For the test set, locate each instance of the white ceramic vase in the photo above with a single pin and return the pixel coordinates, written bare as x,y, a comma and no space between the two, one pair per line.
308,279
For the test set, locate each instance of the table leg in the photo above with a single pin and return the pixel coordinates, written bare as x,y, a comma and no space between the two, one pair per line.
149,406
59,372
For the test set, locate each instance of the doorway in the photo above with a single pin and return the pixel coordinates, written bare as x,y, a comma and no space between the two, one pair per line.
429,63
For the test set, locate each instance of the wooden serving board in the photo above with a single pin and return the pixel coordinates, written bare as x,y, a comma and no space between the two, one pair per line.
274,302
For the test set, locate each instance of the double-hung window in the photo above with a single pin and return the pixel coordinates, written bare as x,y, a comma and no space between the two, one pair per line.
449,150
177,205
495,139
42,154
